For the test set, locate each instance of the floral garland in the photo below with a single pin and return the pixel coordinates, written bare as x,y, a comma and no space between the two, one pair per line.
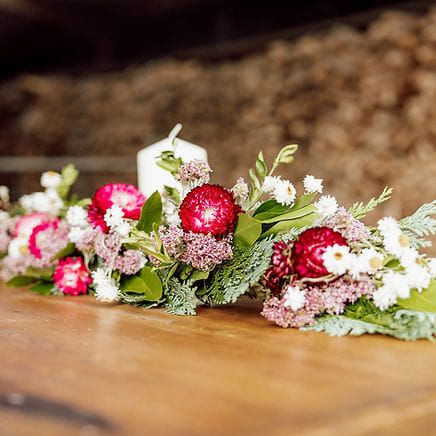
313,264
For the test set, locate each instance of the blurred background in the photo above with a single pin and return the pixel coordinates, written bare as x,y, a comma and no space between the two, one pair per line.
93,81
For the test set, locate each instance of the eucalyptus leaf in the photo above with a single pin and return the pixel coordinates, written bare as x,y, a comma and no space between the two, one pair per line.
247,231
424,301
261,166
152,282
20,281
151,213
66,251
43,288
285,226
286,154
292,214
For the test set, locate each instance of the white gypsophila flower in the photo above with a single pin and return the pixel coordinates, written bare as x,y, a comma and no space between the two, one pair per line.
50,179
26,202
77,216
170,212
418,277
270,183
285,192
114,216
388,226
75,234
295,298
312,185
4,194
326,206
337,259
431,264
143,260
123,229
398,283
106,289
99,276
18,247
384,297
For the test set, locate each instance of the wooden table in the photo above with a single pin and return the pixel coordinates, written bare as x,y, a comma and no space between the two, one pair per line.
74,366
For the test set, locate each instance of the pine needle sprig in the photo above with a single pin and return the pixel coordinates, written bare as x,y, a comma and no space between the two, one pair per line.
359,210
420,224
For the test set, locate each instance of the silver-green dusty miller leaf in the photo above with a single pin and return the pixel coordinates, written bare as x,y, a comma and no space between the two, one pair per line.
406,324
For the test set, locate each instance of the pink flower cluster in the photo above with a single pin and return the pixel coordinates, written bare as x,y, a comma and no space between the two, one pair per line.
130,262
195,172
201,251
330,298
349,227
108,246
47,239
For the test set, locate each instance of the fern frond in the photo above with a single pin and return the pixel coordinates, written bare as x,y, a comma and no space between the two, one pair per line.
180,297
359,209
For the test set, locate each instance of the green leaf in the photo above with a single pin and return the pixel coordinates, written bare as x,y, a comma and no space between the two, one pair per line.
269,209
247,230
254,178
424,301
285,226
69,176
151,213
83,202
61,254
40,273
292,214
198,275
261,166
286,154
43,288
147,283
20,281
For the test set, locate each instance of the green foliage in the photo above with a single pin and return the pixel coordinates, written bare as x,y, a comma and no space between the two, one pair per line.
424,301
360,210
151,213
66,251
247,231
169,162
19,281
233,279
180,297
286,154
286,226
404,324
69,176
43,288
420,224
147,284
364,317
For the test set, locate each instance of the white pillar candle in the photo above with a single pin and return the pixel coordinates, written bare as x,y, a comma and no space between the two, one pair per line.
151,177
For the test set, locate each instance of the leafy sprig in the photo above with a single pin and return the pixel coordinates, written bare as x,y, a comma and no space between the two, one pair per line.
359,210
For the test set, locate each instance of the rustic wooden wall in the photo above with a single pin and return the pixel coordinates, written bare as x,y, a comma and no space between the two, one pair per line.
360,103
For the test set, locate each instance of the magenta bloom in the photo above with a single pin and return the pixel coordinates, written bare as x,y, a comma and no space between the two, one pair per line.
209,209
126,196
26,223
71,276
308,250
39,236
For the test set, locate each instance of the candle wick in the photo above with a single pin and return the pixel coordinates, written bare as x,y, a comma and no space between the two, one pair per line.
174,132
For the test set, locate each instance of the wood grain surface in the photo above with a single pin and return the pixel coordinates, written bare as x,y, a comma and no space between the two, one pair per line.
72,366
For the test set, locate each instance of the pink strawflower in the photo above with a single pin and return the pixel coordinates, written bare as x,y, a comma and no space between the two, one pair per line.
26,223
194,173
47,239
71,276
126,196
349,227
320,298
130,262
